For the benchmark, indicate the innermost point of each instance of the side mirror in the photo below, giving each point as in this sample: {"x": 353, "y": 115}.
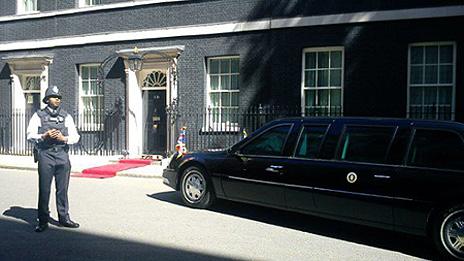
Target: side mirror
{"x": 234, "y": 152}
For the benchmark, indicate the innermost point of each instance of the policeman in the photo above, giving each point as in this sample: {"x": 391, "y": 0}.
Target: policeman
{"x": 51, "y": 130}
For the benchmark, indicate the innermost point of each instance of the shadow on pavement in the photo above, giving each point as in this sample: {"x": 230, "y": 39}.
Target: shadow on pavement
{"x": 18, "y": 241}
{"x": 172, "y": 197}
{"x": 408, "y": 244}
{"x": 29, "y": 215}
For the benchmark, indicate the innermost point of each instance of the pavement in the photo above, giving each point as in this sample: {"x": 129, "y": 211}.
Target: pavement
{"x": 81, "y": 162}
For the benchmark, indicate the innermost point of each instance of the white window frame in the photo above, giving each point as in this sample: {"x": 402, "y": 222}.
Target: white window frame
{"x": 210, "y": 124}
{"x": 91, "y": 125}
{"x": 83, "y": 3}
{"x": 24, "y": 81}
{"x": 22, "y": 7}
{"x": 23, "y": 85}
{"x": 438, "y": 85}
{"x": 304, "y": 88}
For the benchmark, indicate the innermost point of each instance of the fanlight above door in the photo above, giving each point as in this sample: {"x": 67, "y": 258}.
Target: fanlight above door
{"x": 155, "y": 79}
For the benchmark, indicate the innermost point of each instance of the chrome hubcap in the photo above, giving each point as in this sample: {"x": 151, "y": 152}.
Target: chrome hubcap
{"x": 453, "y": 233}
{"x": 194, "y": 187}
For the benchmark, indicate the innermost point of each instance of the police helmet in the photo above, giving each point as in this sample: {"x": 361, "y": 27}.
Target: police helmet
{"x": 52, "y": 91}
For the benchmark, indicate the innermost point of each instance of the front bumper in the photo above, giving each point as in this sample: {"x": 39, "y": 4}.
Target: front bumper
{"x": 170, "y": 177}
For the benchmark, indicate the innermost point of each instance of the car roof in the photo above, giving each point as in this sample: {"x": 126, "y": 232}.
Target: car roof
{"x": 375, "y": 121}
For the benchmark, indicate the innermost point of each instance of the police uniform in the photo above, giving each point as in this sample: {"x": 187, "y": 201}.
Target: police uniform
{"x": 53, "y": 159}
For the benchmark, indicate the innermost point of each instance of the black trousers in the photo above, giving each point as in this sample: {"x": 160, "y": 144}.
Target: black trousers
{"x": 53, "y": 163}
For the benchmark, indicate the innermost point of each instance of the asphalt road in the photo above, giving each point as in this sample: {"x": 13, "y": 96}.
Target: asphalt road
{"x": 141, "y": 219}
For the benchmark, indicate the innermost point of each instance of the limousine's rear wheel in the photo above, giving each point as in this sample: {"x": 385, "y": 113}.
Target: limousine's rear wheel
{"x": 196, "y": 188}
{"x": 449, "y": 233}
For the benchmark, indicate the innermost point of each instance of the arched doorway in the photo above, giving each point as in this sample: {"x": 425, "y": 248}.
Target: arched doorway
{"x": 147, "y": 86}
{"x": 154, "y": 87}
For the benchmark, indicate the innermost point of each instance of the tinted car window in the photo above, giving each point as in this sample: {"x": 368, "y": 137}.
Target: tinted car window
{"x": 365, "y": 144}
{"x": 329, "y": 145}
{"x": 399, "y": 147}
{"x": 271, "y": 142}
{"x": 436, "y": 149}
{"x": 310, "y": 141}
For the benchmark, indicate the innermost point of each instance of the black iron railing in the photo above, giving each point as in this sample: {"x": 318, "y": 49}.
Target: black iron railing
{"x": 102, "y": 133}
{"x": 207, "y": 129}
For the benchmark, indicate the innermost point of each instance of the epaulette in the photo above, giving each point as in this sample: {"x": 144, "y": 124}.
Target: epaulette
{"x": 41, "y": 112}
{"x": 63, "y": 113}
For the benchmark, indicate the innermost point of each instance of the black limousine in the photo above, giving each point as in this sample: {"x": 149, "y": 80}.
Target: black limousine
{"x": 398, "y": 174}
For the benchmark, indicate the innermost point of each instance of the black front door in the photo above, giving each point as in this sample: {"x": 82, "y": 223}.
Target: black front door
{"x": 155, "y": 122}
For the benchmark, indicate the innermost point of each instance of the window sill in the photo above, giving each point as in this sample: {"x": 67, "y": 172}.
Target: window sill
{"x": 91, "y": 128}
{"x": 82, "y": 9}
{"x": 220, "y": 130}
{"x": 23, "y": 13}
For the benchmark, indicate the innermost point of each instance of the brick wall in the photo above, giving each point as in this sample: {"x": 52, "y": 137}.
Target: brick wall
{"x": 375, "y": 69}
{"x": 137, "y": 18}
{"x": 270, "y": 64}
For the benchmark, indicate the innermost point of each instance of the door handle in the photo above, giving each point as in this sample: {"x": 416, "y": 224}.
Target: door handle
{"x": 274, "y": 169}
{"x": 382, "y": 176}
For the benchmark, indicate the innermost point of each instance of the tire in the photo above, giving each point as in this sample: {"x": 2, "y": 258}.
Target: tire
{"x": 449, "y": 233}
{"x": 196, "y": 188}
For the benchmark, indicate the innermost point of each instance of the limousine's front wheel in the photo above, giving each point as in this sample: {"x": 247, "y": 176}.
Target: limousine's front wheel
{"x": 196, "y": 188}
{"x": 449, "y": 233}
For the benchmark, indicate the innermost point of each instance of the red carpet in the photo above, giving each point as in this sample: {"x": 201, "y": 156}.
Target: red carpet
{"x": 108, "y": 171}
{"x": 136, "y": 161}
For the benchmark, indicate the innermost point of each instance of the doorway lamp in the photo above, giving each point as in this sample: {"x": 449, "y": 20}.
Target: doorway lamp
{"x": 135, "y": 60}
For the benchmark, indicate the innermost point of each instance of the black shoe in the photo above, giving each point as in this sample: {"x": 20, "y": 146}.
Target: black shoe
{"x": 69, "y": 223}
{"x": 41, "y": 227}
